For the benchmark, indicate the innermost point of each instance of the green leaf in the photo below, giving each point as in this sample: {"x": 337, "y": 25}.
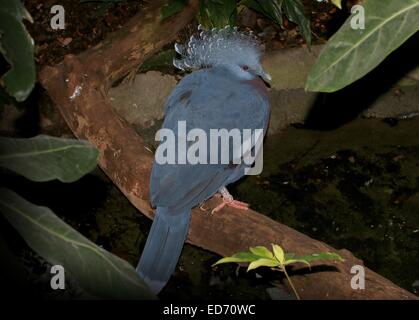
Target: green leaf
{"x": 271, "y": 8}
{"x": 289, "y": 256}
{"x": 239, "y": 257}
{"x": 262, "y": 252}
{"x": 279, "y": 253}
{"x": 337, "y": 3}
{"x": 45, "y": 158}
{"x": 17, "y": 47}
{"x": 291, "y": 261}
{"x": 97, "y": 271}
{"x": 352, "y": 53}
{"x": 217, "y": 13}
{"x": 320, "y": 256}
{"x": 294, "y": 10}
{"x": 173, "y": 7}
{"x": 161, "y": 61}
{"x": 263, "y": 263}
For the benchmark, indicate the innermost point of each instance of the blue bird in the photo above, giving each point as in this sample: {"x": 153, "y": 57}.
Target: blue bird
{"x": 225, "y": 91}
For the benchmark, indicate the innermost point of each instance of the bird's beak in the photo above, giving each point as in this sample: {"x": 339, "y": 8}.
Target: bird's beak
{"x": 265, "y": 76}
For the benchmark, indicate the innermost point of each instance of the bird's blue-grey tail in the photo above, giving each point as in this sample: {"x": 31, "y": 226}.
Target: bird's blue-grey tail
{"x": 163, "y": 247}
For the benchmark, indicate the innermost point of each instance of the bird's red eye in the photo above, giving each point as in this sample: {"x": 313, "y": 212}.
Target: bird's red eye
{"x": 245, "y": 68}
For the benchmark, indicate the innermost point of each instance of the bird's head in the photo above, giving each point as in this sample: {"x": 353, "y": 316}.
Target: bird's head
{"x": 240, "y": 52}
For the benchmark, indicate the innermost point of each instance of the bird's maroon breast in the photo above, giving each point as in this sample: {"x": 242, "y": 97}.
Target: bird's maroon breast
{"x": 259, "y": 85}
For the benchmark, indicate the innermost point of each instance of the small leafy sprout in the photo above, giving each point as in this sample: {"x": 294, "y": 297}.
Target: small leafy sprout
{"x": 277, "y": 260}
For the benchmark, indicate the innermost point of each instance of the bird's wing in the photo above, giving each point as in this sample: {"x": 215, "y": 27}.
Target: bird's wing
{"x": 206, "y": 100}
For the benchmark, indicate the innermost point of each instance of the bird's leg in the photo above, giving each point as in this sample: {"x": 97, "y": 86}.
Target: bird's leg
{"x": 228, "y": 200}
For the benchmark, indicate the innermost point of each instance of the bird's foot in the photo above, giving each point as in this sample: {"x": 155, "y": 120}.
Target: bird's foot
{"x": 229, "y": 201}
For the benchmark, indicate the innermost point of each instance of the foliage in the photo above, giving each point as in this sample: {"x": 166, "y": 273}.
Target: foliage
{"x": 173, "y": 7}
{"x": 99, "y": 272}
{"x": 271, "y": 9}
{"x": 337, "y": 3}
{"x": 276, "y": 259}
{"x": 352, "y": 53}
{"x": 16, "y": 45}
{"x": 161, "y": 61}
{"x": 43, "y": 158}
{"x": 294, "y": 10}
{"x": 219, "y": 13}
{"x": 274, "y": 9}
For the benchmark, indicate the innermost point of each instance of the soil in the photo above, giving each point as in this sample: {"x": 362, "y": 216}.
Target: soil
{"x": 86, "y": 24}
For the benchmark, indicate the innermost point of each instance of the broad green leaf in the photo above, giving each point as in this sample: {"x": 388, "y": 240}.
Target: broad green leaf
{"x": 271, "y": 8}
{"x": 239, "y": 257}
{"x": 337, "y": 3}
{"x": 320, "y": 256}
{"x": 263, "y": 263}
{"x": 17, "y": 47}
{"x": 289, "y": 256}
{"x": 97, "y": 271}
{"x": 294, "y": 10}
{"x": 352, "y": 53}
{"x": 45, "y": 158}
{"x": 217, "y": 13}
{"x": 279, "y": 253}
{"x": 173, "y": 7}
{"x": 291, "y": 261}
{"x": 161, "y": 61}
{"x": 262, "y": 252}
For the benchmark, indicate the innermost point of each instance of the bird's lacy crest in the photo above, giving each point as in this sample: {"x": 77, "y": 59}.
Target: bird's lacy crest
{"x": 217, "y": 47}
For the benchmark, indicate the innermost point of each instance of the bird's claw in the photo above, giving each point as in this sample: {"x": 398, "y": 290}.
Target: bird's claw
{"x": 230, "y": 202}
